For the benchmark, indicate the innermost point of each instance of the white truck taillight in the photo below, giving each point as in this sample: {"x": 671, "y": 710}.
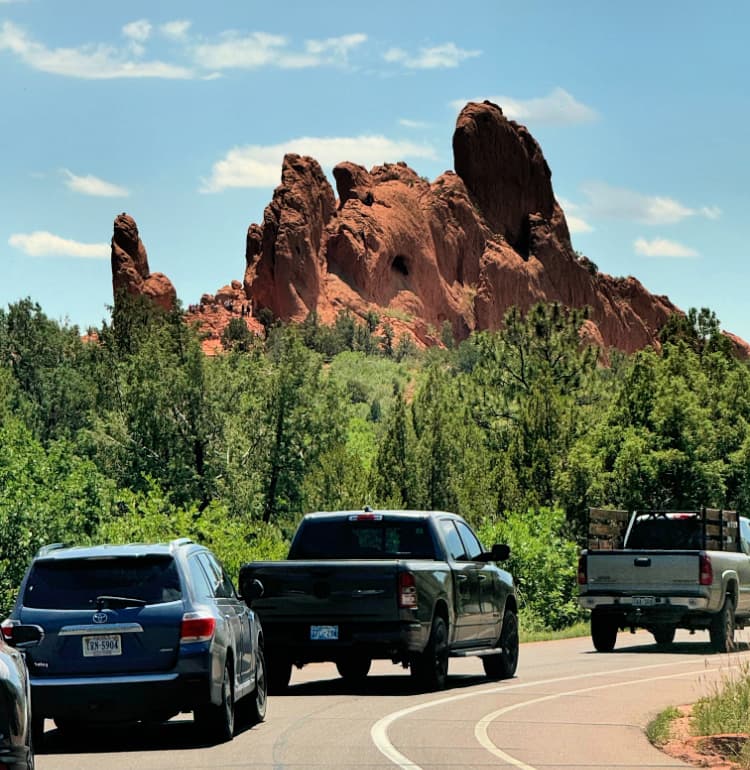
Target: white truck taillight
{"x": 197, "y": 627}
{"x": 407, "y": 591}
{"x": 582, "y": 570}
{"x": 706, "y": 571}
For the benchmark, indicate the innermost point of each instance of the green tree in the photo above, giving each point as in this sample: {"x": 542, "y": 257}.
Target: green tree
{"x": 394, "y": 482}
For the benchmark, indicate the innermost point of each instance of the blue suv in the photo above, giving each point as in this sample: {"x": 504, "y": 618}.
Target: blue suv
{"x": 139, "y": 633}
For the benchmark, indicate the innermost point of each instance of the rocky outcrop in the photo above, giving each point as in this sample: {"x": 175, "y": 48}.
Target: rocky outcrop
{"x": 460, "y": 250}
{"x": 130, "y": 271}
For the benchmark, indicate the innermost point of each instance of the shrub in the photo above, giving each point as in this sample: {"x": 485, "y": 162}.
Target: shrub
{"x": 543, "y": 562}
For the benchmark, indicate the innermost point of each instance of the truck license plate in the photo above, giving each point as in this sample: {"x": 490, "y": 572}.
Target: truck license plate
{"x": 102, "y": 645}
{"x": 324, "y": 633}
{"x": 643, "y": 601}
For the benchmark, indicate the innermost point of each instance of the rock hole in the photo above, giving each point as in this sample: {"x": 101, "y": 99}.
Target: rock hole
{"x": 399, "y": 265}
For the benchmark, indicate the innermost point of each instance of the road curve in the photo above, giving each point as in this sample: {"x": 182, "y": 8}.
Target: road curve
{"x": 568, "y": 707}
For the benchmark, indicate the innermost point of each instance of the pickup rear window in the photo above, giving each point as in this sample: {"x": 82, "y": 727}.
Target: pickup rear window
{"x": 370, "y": 539}
{"x": 666, "y": 533}
{"x": 71, "y": 584}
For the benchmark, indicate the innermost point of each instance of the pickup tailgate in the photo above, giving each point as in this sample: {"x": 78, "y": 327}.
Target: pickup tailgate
{"x": 630, "y": 572}
{"x": 329, "y": 592}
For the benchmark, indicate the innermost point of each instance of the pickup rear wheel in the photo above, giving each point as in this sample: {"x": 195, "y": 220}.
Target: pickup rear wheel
{"x": 503, "y": 665}
{"x": 604, "y": 629}
{"x": 722, "y": 628}
{"x": 353, "y": 668}
{"x": 279, "y": 671}
{"x": 663, "y": 635}
{"x": 430, "y": 668}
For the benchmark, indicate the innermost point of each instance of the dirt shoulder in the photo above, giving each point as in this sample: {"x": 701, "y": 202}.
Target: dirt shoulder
{"x": 716, "y": 752}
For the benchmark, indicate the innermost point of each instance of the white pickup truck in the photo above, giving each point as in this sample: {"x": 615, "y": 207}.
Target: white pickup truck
{"x": 663, "y": 570}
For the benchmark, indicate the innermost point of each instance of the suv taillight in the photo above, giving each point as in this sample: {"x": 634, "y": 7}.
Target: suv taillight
{"x": 197, "y": 627}
{"x": 407, "y": 591}
{"x": 582, "y": 570}
{"x": 6, "y": 627}
{"x": 706, "y": 570}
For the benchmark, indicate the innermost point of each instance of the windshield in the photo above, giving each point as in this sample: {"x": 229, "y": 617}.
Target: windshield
{"x": 368, "y": 539}
{"x": 76, "y": 583}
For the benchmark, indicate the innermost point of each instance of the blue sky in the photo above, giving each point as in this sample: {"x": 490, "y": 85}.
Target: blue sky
{"x": 180, "y": 112}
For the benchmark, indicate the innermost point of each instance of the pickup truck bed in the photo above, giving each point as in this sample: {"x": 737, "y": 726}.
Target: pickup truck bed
{"x": 412, "y": 587}
{"x": 669, "y": 585}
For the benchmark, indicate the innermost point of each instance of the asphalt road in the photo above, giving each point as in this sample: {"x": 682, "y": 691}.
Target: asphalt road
{"x": 568, "y": 707}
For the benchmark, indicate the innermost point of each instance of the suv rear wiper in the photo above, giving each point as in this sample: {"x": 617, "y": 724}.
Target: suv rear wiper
{"x": 118, "y": 601}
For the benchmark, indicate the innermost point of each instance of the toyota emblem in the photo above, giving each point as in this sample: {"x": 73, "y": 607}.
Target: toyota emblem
{"x": 100, "y": 617}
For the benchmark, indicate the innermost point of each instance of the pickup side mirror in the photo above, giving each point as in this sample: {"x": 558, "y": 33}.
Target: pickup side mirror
{"x": 500, "y": 552}
{"x": 251, "y": 590}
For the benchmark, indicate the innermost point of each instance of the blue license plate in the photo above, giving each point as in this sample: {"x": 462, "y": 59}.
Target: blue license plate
{"x": 324, "y": 633}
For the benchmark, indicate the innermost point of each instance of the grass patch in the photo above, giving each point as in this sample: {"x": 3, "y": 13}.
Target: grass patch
{"x": 727, "y": 709}
{"x": 545, "y": 635}
{"x": 659, "y": 729}
{"x": 397, "y": 313}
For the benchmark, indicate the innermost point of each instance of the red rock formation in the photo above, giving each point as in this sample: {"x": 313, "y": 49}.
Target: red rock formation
{"x": 462, "y": 249}
{"x": 130, "y": 271}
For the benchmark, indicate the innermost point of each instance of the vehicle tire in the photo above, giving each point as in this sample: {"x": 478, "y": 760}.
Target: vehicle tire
{"x": 604, "y": 629}
{"x": 353, "y": 668}
{"x": 504, "y": 664}
{"x": 278, "y": 673}
{"x": 663, "y": 635}
{"x": 258, "y": 698}
{"x": 217, "y": 722}
{"x": 37, "y": 734}
{"x": 721, "y": 630}
{"x": 430, "y": 668}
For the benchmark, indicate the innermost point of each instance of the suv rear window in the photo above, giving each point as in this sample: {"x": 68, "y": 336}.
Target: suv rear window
{"x": 368, "y": 539}
{"x": 70, "y": 584}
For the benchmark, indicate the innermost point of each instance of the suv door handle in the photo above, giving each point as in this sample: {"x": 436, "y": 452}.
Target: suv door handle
{"x": 461, "y": 578}
{"x": 482, "y": 577}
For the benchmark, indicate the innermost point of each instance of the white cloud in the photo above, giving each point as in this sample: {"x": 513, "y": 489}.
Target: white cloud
{"x": 91, "y": 185}
{"x": 138, "y": 30}
{"x": 43, "y": 244}
{"x": 260, "y": 166}
{"x": 558, "y": 108}
{"x": 335, "y": 49}
{"x": 610, "y": 202}
{"x": 442, "y": 56}
{"x": 412, "y": 123}
{"x": 92, "y": 62}
{"x": 176, "y": 30}
{"x": 260, "y": 49}
{"x": 661, "y": 247}
{"x": 576, "y": 223}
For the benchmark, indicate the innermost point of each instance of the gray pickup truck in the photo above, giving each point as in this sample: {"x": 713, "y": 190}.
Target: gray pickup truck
{"x": 413, "y": 587}
{"x": 663, "y": 570}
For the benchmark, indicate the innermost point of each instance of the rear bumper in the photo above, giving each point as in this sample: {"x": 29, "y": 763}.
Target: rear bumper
{"x": 390, "y": 641}
{"x": 631, "y": 602}
{"x": 123, "y": 697}
{"x": 692, "y": 612}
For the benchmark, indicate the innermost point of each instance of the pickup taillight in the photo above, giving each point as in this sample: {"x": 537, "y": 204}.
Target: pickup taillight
{"x": 582, "y": 570}
{"x": 407, "y": 591}
{"x": 706, "y": 571}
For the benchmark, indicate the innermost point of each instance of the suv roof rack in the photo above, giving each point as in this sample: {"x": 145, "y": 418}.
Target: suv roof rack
{"x": 45, "y": 549}
{"x": 178, "y": 541}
